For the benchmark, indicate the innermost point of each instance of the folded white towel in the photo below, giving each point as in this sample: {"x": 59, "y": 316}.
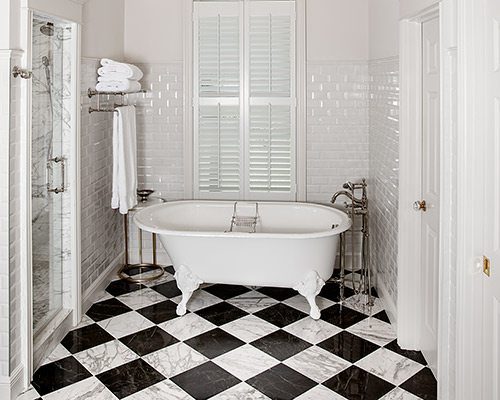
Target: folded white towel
{"x": 124, "y": 85}
{"x": 127, "y": 71}
{"x": 124, "y": 160}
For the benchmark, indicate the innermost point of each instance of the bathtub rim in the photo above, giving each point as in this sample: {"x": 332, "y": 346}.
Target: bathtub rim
{"x": 344, "y": 224}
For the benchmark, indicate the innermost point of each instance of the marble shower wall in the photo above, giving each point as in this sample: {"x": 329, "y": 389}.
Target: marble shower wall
{"x": 384, "y": 170}
{"x": 102, "y": 227}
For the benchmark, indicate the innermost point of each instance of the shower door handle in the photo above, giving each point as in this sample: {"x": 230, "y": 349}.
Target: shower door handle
{"x": 62, "y": 188}
{"x": 21, "y": 72}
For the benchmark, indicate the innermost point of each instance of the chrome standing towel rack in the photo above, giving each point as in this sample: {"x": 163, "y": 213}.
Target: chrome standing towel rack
{"x": 92, "y": 92}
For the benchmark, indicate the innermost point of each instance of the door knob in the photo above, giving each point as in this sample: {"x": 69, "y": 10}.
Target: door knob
{"x": 420, "y": 206}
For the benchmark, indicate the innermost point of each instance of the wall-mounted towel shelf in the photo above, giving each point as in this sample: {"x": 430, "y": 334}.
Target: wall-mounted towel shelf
{"x": 92, "y": 92}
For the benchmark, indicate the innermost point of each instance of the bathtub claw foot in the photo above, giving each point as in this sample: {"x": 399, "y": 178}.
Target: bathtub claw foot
{"x": 310, "y": 288}
{"x": 187, "y": 282}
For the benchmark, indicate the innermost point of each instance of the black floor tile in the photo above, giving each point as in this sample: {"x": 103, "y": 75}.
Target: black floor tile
{"x": 170, "y": 269}
{"x": 423, "y": 384}
{"x": 225, "y": 292}
{"x": 130, "y": 378}
{"x": 357, "y": 384}
{"x": 84, "y": 338}
{"x": 412, "y": 355}
{"x": 343, "y": 317}
{"x": 281, "y": 345}
{"x": 148, "y": 340}
{"x": 59, "y": 374}
{"x": 214, "y": 343}
{"x": 281, "y": 382}
{"x": 382, "y": 315}
{"x": 119, "y": 287}
{"x": 331, "y": 291}
{"x": 280, "y": 315}
{"x": 205, "y": 381}
{"x": 279, "y": 294}
{"x": 348, "y": 346}
{"x": 221, "y": 313}
{"x": 159, "y": 312}
{"x": 107, "y": 309}
{"x": 168, "y": 289}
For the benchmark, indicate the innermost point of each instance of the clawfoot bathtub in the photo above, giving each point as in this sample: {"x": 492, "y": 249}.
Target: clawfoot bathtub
{"x": 290, "y": 245}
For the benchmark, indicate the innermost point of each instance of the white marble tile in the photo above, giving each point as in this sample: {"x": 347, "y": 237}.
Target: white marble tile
{"x": 105, "y": 357}
{"x": 312, "y": 331}
{"x": 103, "y": 296}
{"x": 320, "y": 393}
{"x": 374, "y": 330}
{"x": 245, "y": 362}
{"x": 90, "y": 388}
{"x": 199, "y": 300}
{"x": 252, "y": 301}
{"x": 30, "y": 394}
{"x": 187, "y": 326}
{"x": 359, "y": 302}
{"x": 175, "y": 359}
{"x": 317, "y": 364}
{"x": 161, "y": 391}
{"x": 249, "y": 328}
{"x": 125, "y": 324}
{"x": 86, "y": 321}
{"x": 390, "y": 366}
{"x": 301, "y": 304}
{"x": 399, "y": 394}
{"x": 242, "y": 391}
{"x": 141, "y": 298}
{"x": 59, "y": 353}
{"x": 166, "y": 277}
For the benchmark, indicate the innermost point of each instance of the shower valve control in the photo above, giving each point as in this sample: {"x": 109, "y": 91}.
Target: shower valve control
{"x": 21, "y": 72}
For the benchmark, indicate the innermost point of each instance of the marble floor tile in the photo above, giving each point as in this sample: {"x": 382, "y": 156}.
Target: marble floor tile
{"x": 281, "y": 315}
{"x": 205, "y": 381}
{"x": 175, "y": 359}
{"x": 165, "y": 390}
{"x": 390, "y": 366}
{"x": 313, "y": 331}
{"x": 199, "y": 300}
{"x": 187, "y": 326}
{"x": 86, "y": 321}
{"x": 281, "y": 345}
{"x": 166, "y": 277}
{"x": 320, "y": 392}
{"x": 348, "y": 346}
{"x": 245, "y": 362}
{"x": 249, "y": 328}
{"x": 343, "y": 317}
{"x": 279, "y": 294}
{"x": 281, "y": 382}
{"x": 107, "y": 309}
{"x": 359, "y": 302}
{"x": 105, "y": 356}
{"x": 221, "y": 313}
{"x": 242, "y": 391}
{"x": 90, "y": 388}
{"x": 125, "y": 324}
{"x": 159, "y": 312}
{"x": 252, "y": 302}
{"x": 317, "y": 364}
{"x": 30, "y": 394}
{"x": 423, "y": 384}
{"x": 374, "y": 330}
{"x": 399, "y": 394}
{"x": 411, "y": 354}
{"x": 214, "y": 343}
{"x": 59, "y": 352}
{"x": 119, "y": 287}
{"x": 331, "y": 291}
{"x": 300, "y": 303}
{"x": 168, "y": 289}
{"x": 84, "y": 338}
{"x": 141, "y": 298}
{"x": 148, "y": 341}
{"x": 226, "y": 292}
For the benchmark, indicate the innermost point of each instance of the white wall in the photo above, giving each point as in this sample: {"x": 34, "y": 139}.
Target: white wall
{"x": 153, "y": 31}
{"x": 408, "y": 8}
{"x": 337, "y": 30}
{"x": 384, "y": 28}
{"x": 103, "y": 29}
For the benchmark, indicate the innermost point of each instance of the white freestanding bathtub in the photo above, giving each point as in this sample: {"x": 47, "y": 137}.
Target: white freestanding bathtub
{"x": 294, "y": 244}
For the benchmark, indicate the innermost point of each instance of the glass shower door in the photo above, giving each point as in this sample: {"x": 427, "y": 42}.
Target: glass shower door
{"x": 50, "y": 148}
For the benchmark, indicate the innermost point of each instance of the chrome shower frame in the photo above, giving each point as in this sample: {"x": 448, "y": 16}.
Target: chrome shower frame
{"x": 357, "y": 209}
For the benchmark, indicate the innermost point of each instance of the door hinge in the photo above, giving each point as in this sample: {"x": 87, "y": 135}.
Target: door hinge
{"x": 486, "y": 266}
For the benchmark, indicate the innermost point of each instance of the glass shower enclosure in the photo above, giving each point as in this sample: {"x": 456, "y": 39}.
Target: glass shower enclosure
{"x": 51, "y": 131}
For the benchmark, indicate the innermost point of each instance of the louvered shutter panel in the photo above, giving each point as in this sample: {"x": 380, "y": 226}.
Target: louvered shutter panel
{"x": 271, "y": 136}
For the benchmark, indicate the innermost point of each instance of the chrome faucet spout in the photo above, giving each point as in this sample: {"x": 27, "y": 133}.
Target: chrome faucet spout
{"x": 356, "y": 201}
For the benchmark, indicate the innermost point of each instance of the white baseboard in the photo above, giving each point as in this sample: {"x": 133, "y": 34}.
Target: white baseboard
{"x": 11, "y": 387}
{"x": 95, "y": 291}
{"x": 388, "y": 303}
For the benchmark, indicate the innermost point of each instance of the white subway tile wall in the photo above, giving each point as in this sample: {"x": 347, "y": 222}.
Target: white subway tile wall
{"x": 102, "y": 229}
{"x": 337, "y": 126}
{"x": 384, "y": 170}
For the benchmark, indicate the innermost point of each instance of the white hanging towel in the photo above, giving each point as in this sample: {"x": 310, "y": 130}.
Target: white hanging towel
{"x": 124, "y": 85}
{"x": 124, "y": 195}
{"x": 121, "y": 70}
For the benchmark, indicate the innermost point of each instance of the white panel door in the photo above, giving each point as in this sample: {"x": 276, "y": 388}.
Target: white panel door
{"x": 430, "y": 188}
{"x": 491, "y": 302}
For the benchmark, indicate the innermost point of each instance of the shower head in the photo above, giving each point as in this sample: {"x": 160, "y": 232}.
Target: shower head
{"x": 47, "y": 29}
{"x": 45, "y": 61}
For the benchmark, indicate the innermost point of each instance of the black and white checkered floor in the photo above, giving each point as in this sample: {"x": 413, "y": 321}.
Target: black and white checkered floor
{"x": 234, "y": 343}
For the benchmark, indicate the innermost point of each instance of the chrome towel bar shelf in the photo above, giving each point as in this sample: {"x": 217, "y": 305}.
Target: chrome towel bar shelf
{"x": 92, "y": 92}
